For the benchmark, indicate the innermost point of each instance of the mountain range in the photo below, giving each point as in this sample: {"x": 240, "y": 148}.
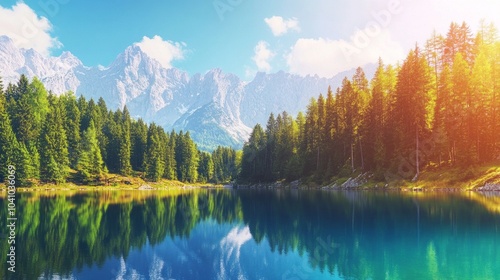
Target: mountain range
{"x": 217, "y": 108}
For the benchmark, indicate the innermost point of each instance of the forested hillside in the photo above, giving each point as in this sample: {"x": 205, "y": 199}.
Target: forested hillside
{"x": 52, "y": 139}
{"x": 440, "y": 107}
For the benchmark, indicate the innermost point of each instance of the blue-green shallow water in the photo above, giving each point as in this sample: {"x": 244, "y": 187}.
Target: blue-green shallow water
{"x": 248, "y": 234}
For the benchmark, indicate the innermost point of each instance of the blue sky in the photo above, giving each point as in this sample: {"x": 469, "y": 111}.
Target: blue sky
{"x": 239, "y": 36}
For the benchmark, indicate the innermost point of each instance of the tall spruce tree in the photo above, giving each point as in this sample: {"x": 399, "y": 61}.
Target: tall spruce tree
{"x": 413, "y": 94}
{"x": 252, "y": 163}
{"x": 8, "y": 141}
{"x": 90, "y": 165}
{"x": 22, "y": 112}
{"x": 460, "y": 102}
{"x": 170, "y": 163}
{"x": 205, "y": 167}
{"x": 186, "y": 156}
{"x": 154, "y": 159}
{"x": 311, "y": 138}
{"x": 375, "y": 120}
{"x": 72, "y": 126}
{"x": 125, "y": 144}
{"x": 54, "y": 162}
{"x": 482, "y": 102}
{"x": 139, "y": 138}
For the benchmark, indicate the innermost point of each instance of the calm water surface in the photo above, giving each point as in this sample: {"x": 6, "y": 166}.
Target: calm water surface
{"x": 248, "y": 234}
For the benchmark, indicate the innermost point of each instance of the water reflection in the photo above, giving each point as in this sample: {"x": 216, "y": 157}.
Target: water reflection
{"x": 210, "y": 234}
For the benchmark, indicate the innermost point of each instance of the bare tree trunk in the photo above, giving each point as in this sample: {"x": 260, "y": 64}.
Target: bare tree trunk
{"x": 494, "y": 123}
{"x": 417, "y": 162}
{"x": 317, "y": 160}
{"x": 361, "y": 151}
{"x": 352, "y": 157}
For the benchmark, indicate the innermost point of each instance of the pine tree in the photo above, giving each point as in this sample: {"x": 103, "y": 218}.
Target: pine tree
{"x": 34, "y": 161}
{"x": 72, "y": 126}
{"x": 205, "y": 167}
{"x": 495, "y": 109}
{"x": 38, "y": 100}
{"x": 186, "y": 157}
{"x": 286, "y": 144}
{"x": 90, "y": 165}
{"x": 125, "y": 145}
{"x": 99, "y": 114}
{"x": 154, "y": 160}
{"x": 481, "y": 85}
{"x": 138, "y": 137}
{"x": 487, "y": 34}
{"x": 459, "y": 40}
{"x": 311, "y": 138}
{"x": 54, "y": 162}
{"x": 170, "y": 163}
{"x": 8, "y": 141}
{"x": 82, "y": 107}
{"x": 22, "y": 112}
{"x": 25, "y": 166}
{"x": 434, "y": 51}
{"x": 321, "y": 159}
{"x": 350, "y": 102}
{"x": 360, "y": 85}
{"x": 112, "y": 132}
{"x": 375, "y": 120}
{"x": 225, "y": 167}
{"x": 270, "y": 149}
{"x": 444, "y": 117}
{"x": 460, "y": 106}
{"x": 252, "y": 163}
{"x": 193, "y": 159}
{"x": 296, "y": 167}
{"x": 413, "y": 94}
{"x": 451, "y": 44}
{"x": 328, "y": 132}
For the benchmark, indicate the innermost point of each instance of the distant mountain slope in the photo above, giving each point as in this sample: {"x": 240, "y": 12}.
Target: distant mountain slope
{"x": 217, "y": 108}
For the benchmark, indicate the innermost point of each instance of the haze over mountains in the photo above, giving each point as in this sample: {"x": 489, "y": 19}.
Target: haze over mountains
{"x": 217, "y": 108}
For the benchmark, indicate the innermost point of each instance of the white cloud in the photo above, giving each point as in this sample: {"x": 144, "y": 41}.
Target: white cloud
{"x": 230, "y": 247}
{"x": 327, "y": 58}
{"x": 280, "y": 26}
{"x": 236, "y": 238}
{"x": 163, "y": 51}
{"x": 262, "y": 56}
{"x": 27, "y": 29}
{"x": 155, "y": 270}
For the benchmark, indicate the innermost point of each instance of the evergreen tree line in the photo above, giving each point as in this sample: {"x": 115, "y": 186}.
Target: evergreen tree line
{"x": 46, "y": 137}
{"x": 440, "y": 107}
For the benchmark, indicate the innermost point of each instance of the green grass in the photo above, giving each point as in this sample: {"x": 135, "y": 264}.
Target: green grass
{"x": 443, "y": 177}
{"x": 108, "y": 182}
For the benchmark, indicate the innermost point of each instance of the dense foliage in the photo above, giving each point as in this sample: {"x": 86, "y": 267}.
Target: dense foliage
{"x": 440, "y": 107}
{"x": 46, "y": 137}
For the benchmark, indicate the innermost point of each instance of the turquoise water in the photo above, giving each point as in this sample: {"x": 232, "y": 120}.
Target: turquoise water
{"x": 249, "y": 234}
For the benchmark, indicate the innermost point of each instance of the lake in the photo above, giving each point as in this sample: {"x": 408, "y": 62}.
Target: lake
{"x": 253, "y": 234}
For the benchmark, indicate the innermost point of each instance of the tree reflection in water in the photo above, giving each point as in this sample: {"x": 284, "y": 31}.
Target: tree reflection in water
{"x": 356, "y": 235}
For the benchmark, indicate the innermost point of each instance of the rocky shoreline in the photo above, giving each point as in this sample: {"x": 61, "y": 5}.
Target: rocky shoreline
{"x": 489, "y": 187}
{"x": 359, "y": 183}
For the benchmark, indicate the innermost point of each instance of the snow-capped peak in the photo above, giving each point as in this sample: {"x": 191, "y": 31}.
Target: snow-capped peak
{"x": 218, "y": 108}
{"x": 69, "y": 59}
